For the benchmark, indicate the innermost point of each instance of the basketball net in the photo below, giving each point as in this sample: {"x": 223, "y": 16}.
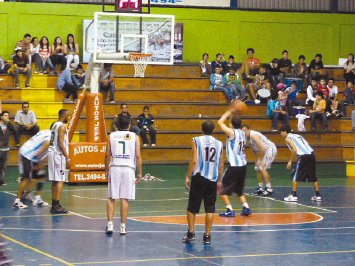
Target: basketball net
{"x": 140, "y": 62}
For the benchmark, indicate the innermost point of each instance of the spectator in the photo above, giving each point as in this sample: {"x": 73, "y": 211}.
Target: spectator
{"x": 292, "y": 93}
{"x": 26, "y": 120}
{"x": 220, "y": 62}
{"x": 318, "y": 112}
{"x": 4, "y": 66}
{"x": 145, "y": 123}
{"x": 219, "y": 82}
{"x": 332, "y": 101}
{"x": 71, "y": 51}
{"x": 6, "y": 127}
{"x": 312, "y": 92}
{"x": 21, "y": 66}
{"x": 45, "y": 53}
{"x": 251, "y": 65}
{"x": 65, "y": 83}
{"x": 316, "y": 68}
{"x": 274, "y": 71}
{"x": 78, "y": 76}
{"x": 231, "y": 63}
{"x": 124, "y": 112}
{"x": 206, "y": 69}
{"x": 58, "y": 57}
{"x": 323, "y": 88}
{"x": 300, "y": 69}
{"x": 262, "y": 80}
{"x": 285, "y": 65}
{"x": 349, "y": 68}
{"x": 275, "y": 113}
{"x": 25, "y": 45}
{"x": 107, "y": 82}
{"x": 282, "y": 95}
{"x": 349, "y": 98}
{"x": 353, "y": 119}
{"x": 34, "y": 54}
{"x": 234, "y": 83}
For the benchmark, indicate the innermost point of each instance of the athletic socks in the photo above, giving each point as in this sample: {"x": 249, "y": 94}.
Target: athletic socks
{"x": 268, "y": 185}
{"x": 317, "y": 194}
{"x": 55, "y": 203}
{"x": 123, "y": 225}
{"x": 245, "y": 204}
{"x": 229, "y": 207}
{"x": 294, "y": 193}
{"x": 260, "y": 185}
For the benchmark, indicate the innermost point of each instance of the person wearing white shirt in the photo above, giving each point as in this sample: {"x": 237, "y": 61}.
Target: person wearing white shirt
{"x": 332, "y": 101}
{"x": 311, "y": 92}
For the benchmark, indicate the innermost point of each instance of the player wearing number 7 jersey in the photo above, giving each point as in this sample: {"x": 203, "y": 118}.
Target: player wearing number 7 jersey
{"x": 234, "y": 177}
{"x": 122, "y": 157}
{"x": 306, "y": 163}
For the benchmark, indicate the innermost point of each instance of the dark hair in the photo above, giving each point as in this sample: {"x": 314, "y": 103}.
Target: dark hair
{"x": 3, "y": 112}
{"x": 25, "y": 103}
{"x": 71, "y": 35}
{"x": 236, "y": 122}
{"x": 107, "y": 65}
{"x": 62, "y": 112}
{"x": 80, "y": 66}
{"x": 123, "y": 104}
{"x": 274, "y": 95}
{"x": 204, "y": 54}
{"x": 41, "y": 42}
{"x": 322, "y": 79}
{"x": 286, "y": 128}
{"x": 218, "y": 54}
{"x": 231, "y": 57}
{"x": 275, "y": 60}
{"x": 284, "y": 51}
{"x": 332, "y": 79}
{"x": 352, "y": 82}
{"x": 352, "y": 55}
{"x": 319, "y": 93}
{"x": 319, "y": 55}
{"x": 33, "y": 39}
{"x": 27, "y": 35}
{"x": 55, "y": 41}
{"x": 207, "y": 127}
{"x": 17, "y": 51}
{"x": 294, "y": 82}
{"x": 301, "y": 57}
{"x": 234, "y": 67}
{"x": 263, "y": 66}
{"x": 250, "y": 50}
{"x": 146, "y": 107}
{"x": 123, "y": 122}
{"x": 218, "y": 66}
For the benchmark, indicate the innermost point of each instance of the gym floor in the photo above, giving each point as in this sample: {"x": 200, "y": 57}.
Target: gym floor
{"x": 277, "y": 233}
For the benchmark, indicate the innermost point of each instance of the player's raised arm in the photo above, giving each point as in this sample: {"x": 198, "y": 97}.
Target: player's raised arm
{"x": 138, "y": 160}
{"x": 293, "y": 155}
{"x": 191, "y": 165}
{"x": 221, "y": 122}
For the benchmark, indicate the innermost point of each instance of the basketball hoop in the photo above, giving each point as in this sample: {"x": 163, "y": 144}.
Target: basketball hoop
{"x": 140, "y": 62}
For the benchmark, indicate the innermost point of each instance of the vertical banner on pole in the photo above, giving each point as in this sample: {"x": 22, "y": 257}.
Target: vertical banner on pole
{"x": 94, "y": 118}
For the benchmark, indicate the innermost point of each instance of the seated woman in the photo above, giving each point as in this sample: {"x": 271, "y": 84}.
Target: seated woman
{"x": 34, "y": 55}
{"x": 349, "y": 69}
{"x": 71, "y": 51}
{"x": 58, "y": 57}
{"x": 45, "y": 53}
{"x": 145, "y": 124}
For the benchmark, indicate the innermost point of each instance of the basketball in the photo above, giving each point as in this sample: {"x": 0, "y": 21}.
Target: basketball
{"x": 238, "y": 106}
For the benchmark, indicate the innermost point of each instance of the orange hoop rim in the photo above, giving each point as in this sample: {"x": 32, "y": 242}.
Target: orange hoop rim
{"x": 138, "y": 55}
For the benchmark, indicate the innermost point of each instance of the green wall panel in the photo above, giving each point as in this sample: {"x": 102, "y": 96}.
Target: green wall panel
{"x": 3, "y": 34}
{"x": 347, "y": 39}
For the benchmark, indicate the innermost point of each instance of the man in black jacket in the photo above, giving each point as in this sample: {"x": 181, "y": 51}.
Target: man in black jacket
{"x": 5, "y": 128}
{"x": 124, "y": 109}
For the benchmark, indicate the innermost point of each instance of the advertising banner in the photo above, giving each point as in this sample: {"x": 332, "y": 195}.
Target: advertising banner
{"x": 87, "y": 176}
{"x": 87, "y": 156}
{"x": 193, "y": 3}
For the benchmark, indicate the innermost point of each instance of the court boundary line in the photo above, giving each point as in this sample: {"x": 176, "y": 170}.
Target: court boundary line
{"x": 152, "y": 200}
{"x": 35, "y": 250}
{"x": 222, "y": 257}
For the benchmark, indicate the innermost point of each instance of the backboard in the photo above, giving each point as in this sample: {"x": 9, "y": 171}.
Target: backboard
{"x": 117, "y": 34}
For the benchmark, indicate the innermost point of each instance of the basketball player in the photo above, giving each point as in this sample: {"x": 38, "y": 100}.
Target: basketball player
{"x": 122, "y": 157}
{"x": 265, "y": 152}
{"x": 234, "y": 177}
{"x": 205, "y": 170}
{"x": 58, "y": 159}
{"x": 306, "y": 163}
{"x": 31, "y": 154}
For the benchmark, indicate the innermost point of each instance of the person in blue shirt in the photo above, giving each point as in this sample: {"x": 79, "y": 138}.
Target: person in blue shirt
{"x": 65, "y": 83}
{"x": 275, "y": 113}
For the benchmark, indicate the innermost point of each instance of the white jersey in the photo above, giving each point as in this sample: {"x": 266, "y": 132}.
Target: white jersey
{"x": 31, "y": 148}
{"x": 301, "y": 144}
{"x": 236, "y": 148}
{"x": 123, "y": 149}
{"x": 267, "y": 144}
{"x": 209, "y": 153}
{"x": 54, "y": 143}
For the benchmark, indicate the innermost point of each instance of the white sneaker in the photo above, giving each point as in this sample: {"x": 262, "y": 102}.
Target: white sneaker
{"x": 38, "y": 201}
{"x": 256, "y": 101}
{"x": 109, "y": 228}
{"x": 18, "y": 204}
{"x": 317, "y": 198}
{"x": 291, "y": 198}
{"x": 153, "y": 145}
{"x": 123, "y": 230}
{"x": 145, "y": 145}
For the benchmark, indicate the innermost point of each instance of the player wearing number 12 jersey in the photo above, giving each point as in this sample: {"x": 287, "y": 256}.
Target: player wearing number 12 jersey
{"x": 122, "y": 157}
{"x": 205, "y": 170}
{"x": 234, "y": 177}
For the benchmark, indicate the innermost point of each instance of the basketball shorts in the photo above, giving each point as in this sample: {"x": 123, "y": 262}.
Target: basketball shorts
{"x": 233, "y": 180}
{"x": 121, "y": 183}
{"x": 202, "y": 189}
{"x": 267, "y": 160}
{"x": 56, "y": 167}
{"x": 305, "y": 169}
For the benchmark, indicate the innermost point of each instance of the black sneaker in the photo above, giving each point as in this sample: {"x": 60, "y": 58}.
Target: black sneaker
{"x": 188, "y": 237}
{"x": 58, "y": 210}
{"x": 267, "y": 192}
{"x": 258, "y": 192}
{"x": 206, "y": 239}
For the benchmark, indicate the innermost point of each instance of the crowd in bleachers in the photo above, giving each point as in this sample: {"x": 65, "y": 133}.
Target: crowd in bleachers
{"x": 279, "y": 83}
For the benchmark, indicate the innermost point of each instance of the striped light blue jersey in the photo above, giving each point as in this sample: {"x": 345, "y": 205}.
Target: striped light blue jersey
{"x": 209, "y": 153}
{"x": 301, "y": 144}
{"x": 236, "y": 148}
{"x": 31, "y": 148}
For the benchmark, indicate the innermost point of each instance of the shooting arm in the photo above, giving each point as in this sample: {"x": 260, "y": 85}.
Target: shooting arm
{"x": 229, "y": 132}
